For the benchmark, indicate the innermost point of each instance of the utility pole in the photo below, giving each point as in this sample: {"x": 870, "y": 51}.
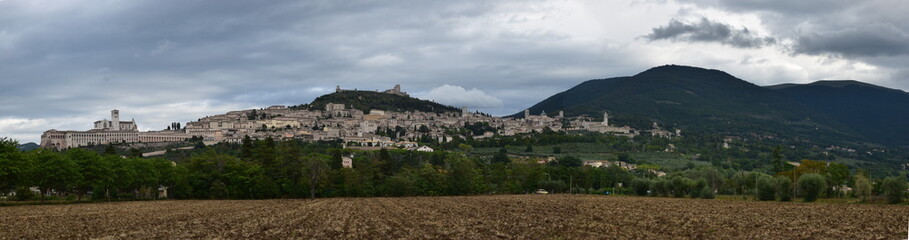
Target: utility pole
{"x": 570, "y": 183}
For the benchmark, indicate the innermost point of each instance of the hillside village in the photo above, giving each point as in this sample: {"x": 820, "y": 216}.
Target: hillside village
{"x": 336, "y": 121}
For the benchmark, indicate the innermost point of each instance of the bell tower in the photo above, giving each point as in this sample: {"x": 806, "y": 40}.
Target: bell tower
{"x": 605, "y": 119}
{"x": 115, "y": 120}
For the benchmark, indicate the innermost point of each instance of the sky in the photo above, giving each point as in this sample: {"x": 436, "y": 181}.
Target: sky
{"x": 66, "y": 64}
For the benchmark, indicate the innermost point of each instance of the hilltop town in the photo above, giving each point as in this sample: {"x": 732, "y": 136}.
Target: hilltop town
{"x": 374, "y": 128}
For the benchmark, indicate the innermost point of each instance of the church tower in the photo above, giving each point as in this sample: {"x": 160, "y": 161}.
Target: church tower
{"x": 115, "y": 120}
{"x": 605, "y": 119}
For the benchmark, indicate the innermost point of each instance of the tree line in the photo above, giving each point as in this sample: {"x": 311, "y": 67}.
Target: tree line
{"x": 260, "y": 169}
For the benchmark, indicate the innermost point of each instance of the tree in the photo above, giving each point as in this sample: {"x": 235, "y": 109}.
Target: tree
{"x": 264, "y": 153}
{"x": 465, "y": 148}
{"x": 133, "y": 152}
{"x": 501, "y": 156}
{"x": 95, "y": 172}
{"x": 336, "y": 159}
{"x": 766, "y": 188}
{"x": 680, "y": 186}
{"x": 837, "y": 174}
{"x": 811, "y": 186}
{"x": 862, "y": 187}
{"x": 777, "y": 159}
{"x": 707, "y": 192}
{"x": 570, "y": 161}
{"x": 110, "y": 150}
{"x": 894, "y": 188}
{"x": 624, "y": 157}
{"x": 219, "y": 190}
{"x": 316, "y": 170}
{"x": 784, "y": 188}
{"x": 641, "y": 186}
{"x": 698, "y": 188}
{"x": 553, "y": 186}
{"x": 556, "y": 150}
{"x": 52, "y": 171}
{"x": 529, "y": 148}
{"x": 806, "y": 166}
{"x": 463, "y": 177}
{"x": 13, "y": 165}
{"x": 246, "y": 148}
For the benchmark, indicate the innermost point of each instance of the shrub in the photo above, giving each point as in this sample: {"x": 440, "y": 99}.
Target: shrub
{"x": 766, "y": 188}
{"x": 680, "y": 186}
{"x": 862, "y": 187}
{"x": 24, "y": 194}
{"x": 698, "y": 188}
{"x": 707, "y": 192}
{"x": 557, "y": 186}
{"x": 811, "y": 185}
{"x": 641, "y": 186}
{"x": 659, "y": 187}
{"x": 784, "y": 188}
{"x": 667, "y": 185}
{"x": 218, "y": 190}
{"x": 894, "y": 188}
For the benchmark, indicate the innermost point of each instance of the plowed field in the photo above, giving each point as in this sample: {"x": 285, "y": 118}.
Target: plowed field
{"x": 480, "y": 217}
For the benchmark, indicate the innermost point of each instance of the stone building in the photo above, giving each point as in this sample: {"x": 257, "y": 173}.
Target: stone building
{"x": 107, "y": 132}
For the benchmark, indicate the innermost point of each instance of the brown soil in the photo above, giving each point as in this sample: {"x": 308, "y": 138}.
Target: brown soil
{"x": 478, "y": 217}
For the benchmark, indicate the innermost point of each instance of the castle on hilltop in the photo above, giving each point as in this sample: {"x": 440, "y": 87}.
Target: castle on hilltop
{"x": 396, "y": 90}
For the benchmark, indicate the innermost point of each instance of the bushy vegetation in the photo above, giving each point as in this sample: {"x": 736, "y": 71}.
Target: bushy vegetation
{"x": 257, "y": 169}
{"x": 368, "y": 100}
{"x": 894, "y": 188}
{"x": 811, "y": 186}
{"x": 784, "y": 188}
{"x": 862, "y": 187}
{"x": 766, "y": 188}
{"x": 679, "y": 186}
{"x": 641, "y": 186}
{"x": 707, "y": 192}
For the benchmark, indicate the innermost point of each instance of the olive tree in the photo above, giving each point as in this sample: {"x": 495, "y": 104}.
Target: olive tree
{"x": 766, "y": 188}
{"x": 811, "y": 186}
{"x": 784, "y": 188}
{"x": 894, "y": 188}
{"x": 862, "y": 187}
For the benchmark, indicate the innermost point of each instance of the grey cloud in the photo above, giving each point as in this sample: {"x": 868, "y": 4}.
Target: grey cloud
{"x": 865, "y": 41}
{"x": 873, "y": 32}
{"x": 780, "y": 6}
{"x": 709, "y": 31}
{"x": 862, "y": 30}
{"x": 81, "y": 59}
{"x": 901, "y": 78}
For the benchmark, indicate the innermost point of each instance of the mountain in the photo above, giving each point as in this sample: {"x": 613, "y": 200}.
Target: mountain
{"x": 695, "y": 100}
{"x": 368, "y": 100}
{"x": 28, "y": 146}
{"x": 875, "y": 112}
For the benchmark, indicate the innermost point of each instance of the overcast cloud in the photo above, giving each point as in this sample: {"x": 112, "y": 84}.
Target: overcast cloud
{"x": 708, "y": 31}
{"x": 68, "y": 63}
